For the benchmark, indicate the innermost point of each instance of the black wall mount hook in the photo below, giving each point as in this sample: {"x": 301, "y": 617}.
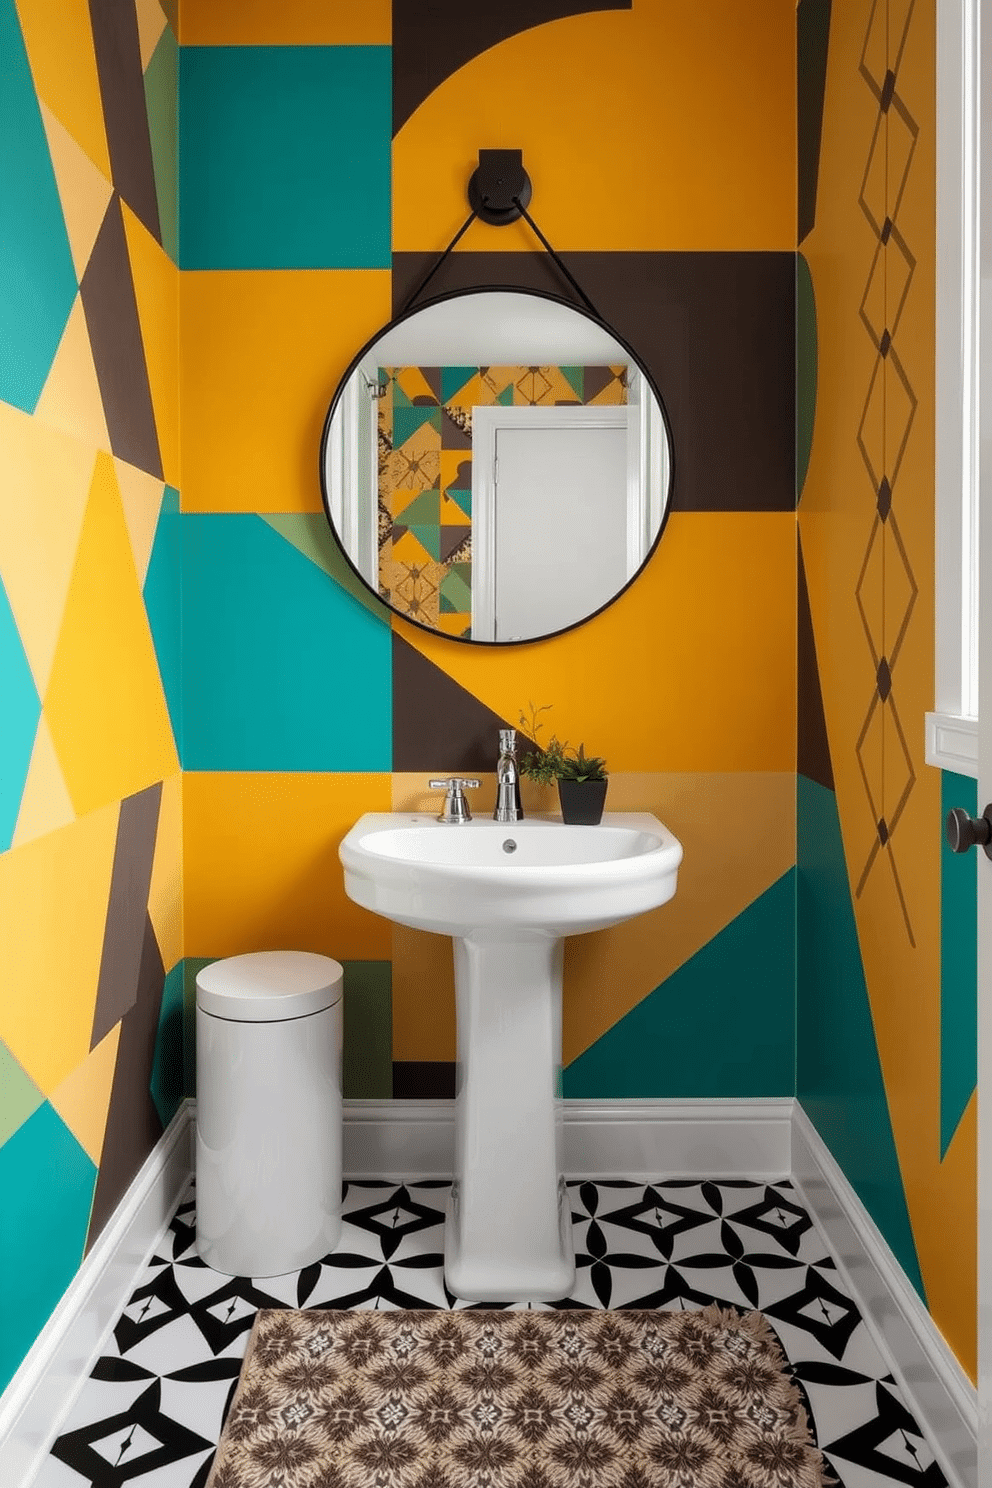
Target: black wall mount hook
{"x": 499, "y": 187}
{"x": 499, "y": 192}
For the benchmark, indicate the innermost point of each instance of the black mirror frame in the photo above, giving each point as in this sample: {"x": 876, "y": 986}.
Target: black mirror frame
{"x": 461, "y": 294}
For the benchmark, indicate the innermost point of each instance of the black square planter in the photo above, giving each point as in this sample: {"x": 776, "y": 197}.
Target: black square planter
{"x": 582, "y": 801}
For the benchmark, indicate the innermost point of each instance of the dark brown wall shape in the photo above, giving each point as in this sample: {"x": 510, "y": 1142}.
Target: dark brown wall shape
{"x": 133, "y": 1124}
{"x": 111, "y": 310}
{"x": 125, "y": 112}
{"x": 423, "y": 1079}
{"x": 812, "y": 42}
{"x": 438, "y": 725}
{"x": 127, "y": 911}
{"x": 717, "y": 331}
{"x": 812, "y": 747}
{"x": 432, "y": 41}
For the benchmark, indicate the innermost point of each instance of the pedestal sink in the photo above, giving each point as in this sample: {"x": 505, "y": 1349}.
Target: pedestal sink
{"x": 507, "y": 894}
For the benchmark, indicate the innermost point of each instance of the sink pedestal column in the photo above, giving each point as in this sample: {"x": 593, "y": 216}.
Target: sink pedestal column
{"x": 508, "y": 1235}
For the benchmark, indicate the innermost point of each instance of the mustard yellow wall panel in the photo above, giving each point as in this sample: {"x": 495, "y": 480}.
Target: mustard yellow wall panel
{"x": 423, "y": 987}
{"x": 70, "y": 399}
{"x": 141, "y": 502}
{"x": 693, "y": 668}
{"x": 667, "y": 126}
{"x": 45, "y": 801}
{"x": 59, "y": 42}
{"x": 151, "y": 23}
{"x": 165, "y": 892}
{"x": 54, "y": 892}
{"x": 290, "y": 23}
{"x": 260, "y": 864}
{"x": 608, "y": 972}
{"x": 83, "y": 1098}
{"x": 84, "y": 189}
{"x": 39, "y": 531}
{"x": 262, "y": 354}
{"x": 104, "y": 700}
{"x": 156, "y": 288}
{"x": 952, "y": 1290}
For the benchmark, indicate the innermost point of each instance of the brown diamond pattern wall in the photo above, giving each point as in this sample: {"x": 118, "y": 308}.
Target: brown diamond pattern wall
{"x": 886, "y": 590}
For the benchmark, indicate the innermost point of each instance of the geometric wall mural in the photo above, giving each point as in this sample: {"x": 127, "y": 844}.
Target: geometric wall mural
{"x": 90, "y": 834}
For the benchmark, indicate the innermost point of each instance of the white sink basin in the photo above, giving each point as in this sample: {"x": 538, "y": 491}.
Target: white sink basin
{"x": 508, "y": 894}
{"x": 534, "y": 874}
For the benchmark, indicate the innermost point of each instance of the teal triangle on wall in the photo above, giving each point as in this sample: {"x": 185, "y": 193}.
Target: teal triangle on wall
{"x": 838, "y": 1072}
{"x": 462, "y": 499}
{"x": 429, "y": 538}
{"x": 453, "y": 379}
{"x": 723, "y": 1024}
{"x": 310, "y": 533}
{"x": 575, "y": 377}
{"x": 48, "y": 1182}
{"x": 406, "y": 422}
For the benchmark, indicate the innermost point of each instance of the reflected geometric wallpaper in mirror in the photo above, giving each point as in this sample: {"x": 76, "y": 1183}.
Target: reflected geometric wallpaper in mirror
{"x": 425, "y": 473}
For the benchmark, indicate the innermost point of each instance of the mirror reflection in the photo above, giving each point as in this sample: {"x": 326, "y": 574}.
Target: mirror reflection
{"x": 496, "y": 466}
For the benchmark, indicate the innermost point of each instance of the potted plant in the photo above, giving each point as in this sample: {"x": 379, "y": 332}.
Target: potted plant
{"x": 581, "y": 778}
{"x": 582, "y": 785}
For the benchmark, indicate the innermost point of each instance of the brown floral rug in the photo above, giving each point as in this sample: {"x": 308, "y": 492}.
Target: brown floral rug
{"x": 476, "y": 1399}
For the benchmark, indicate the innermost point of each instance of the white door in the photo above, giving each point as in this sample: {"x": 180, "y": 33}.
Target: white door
{"x": 561, "y": 526}
{"x": 557, "y": 516}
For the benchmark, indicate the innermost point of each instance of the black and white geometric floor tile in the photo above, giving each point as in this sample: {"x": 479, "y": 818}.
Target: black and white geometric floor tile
{"x": 151, "y": 1412}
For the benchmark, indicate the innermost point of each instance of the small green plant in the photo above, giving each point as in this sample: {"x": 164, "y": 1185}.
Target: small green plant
{"x": 546, "y": 763}
{"x": 580, "y": 766}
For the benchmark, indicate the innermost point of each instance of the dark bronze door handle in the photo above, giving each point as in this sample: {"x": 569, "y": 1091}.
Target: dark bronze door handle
{"x": 964, "y": 831}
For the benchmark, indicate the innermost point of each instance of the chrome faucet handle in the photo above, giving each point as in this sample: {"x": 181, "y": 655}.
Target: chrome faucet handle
{"x": 455, "y": 804}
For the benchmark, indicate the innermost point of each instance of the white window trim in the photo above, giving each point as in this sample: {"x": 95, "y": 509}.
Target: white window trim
{"x": 952, "y": 729}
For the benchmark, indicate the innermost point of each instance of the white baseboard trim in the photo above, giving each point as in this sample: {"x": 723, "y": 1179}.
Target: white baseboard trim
{"x": 46, "y": 1385}
{"x": 648, "y": 1139}
{"x": 942, "y": 1397}
{"x": 621, "y": 1138}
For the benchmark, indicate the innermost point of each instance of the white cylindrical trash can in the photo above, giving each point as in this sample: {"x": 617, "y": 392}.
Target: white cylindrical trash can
{"x": 268, "y": 1111}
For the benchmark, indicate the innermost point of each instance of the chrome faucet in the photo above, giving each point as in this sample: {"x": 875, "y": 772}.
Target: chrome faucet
{"x": 508, "y": 808}
{"x": 455, "y": 805}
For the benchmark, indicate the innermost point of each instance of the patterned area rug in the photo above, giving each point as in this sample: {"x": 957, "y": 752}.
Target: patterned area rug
{"x": 477, "y": 1399}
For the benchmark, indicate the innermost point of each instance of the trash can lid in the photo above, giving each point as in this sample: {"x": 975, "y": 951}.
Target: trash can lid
{"x": 269, "y": 986}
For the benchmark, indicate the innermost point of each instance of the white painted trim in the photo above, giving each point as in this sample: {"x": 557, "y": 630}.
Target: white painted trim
{"x": 957, "y": 342}
{"x": 952, "y": 742}
{"x": 46, "y": 1385}
{"x": 942, "y": 1397}
{"x": 622, "y": 1138}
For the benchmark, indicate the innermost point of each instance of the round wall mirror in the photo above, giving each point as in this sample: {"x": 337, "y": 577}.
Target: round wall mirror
{"x": 496, "y": 465}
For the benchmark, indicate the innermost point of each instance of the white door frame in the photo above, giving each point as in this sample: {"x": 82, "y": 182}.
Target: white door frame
{"x": 351, "y": 476}
{"x": 981, "y": 10}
